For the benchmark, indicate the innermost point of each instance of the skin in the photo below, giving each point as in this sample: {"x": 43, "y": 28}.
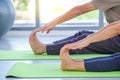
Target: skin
{"x": 67, "y": 63}
{"x": 108, "y": 32}
{"x": 74, "y": 12}
{"x": 37, "y": 46}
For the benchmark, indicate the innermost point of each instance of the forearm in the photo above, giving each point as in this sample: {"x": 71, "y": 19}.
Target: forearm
{"x": 105, "y": 33}
{"x": 74, "y": 12}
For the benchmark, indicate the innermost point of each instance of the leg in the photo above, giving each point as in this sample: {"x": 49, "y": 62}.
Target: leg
{"x": 108, "y": 46}
{"x": 103, "y": 64}
{"x": 54, "y": 49}
{"x": 76, "y": 35}
{"x": 40, "y": 48}
{"x": 100, "y": 64}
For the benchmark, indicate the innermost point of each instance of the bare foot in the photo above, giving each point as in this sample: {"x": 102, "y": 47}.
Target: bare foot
{"x": 37, "y": 47}
{"x": 69, "y": 64}
{"x": 66, "y": 61}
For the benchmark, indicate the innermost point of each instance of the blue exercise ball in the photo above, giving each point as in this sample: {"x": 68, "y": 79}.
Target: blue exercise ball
{"x": 7, "y": 16}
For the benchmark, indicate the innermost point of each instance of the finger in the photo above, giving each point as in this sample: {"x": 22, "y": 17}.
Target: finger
{"x": 73, "y": 47}
{"x": 36, "y": 30}
{"x": 43, "y": 30}
{"x": 48, "y": 31}
{"x": 39, "y": 29}
{"x": 70, "y": 44}
{"x": 65, "y": 49}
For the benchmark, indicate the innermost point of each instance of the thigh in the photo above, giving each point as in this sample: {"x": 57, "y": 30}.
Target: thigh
{"x": 54, "y": 49}
{"x": 108, "y": 46}
{"x": 77, "y": 36}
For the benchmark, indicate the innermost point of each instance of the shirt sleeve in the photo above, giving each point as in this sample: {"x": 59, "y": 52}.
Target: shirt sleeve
{"x": 104, "y": 5}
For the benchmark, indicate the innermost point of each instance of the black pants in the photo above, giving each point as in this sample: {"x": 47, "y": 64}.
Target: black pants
{"x": 109, "y": 46}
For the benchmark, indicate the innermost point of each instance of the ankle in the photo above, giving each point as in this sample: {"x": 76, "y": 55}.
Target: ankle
{"x": 73, "y": 66}
{"x": 67, "y": 66}
{"x": 39, "y": 51}
{"x": 79, "y": 66}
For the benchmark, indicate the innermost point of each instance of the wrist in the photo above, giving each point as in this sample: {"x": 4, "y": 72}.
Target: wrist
{"x": 51, "y": 24}
{"x": 88, "y": 41}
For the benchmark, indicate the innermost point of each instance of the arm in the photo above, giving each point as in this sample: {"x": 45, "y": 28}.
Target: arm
{"x": 107, "y": 32}
{"x": 74, "y": 12}
{"x": 90, "y": 64}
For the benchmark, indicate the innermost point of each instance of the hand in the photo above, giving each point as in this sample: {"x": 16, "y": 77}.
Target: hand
{"x": 78, "y": 45}
{"x": 47, "y": 28}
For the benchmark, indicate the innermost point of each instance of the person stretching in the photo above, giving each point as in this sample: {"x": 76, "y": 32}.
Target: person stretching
{"x": 105, "y": 40}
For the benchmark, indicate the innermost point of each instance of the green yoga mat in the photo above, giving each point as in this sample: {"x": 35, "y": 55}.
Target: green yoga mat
{"x": 29, "y": 55}
{"x": 24, "y": 70}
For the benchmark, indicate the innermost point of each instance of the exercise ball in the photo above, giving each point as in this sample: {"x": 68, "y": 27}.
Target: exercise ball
{"x": 7, "y": 16}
